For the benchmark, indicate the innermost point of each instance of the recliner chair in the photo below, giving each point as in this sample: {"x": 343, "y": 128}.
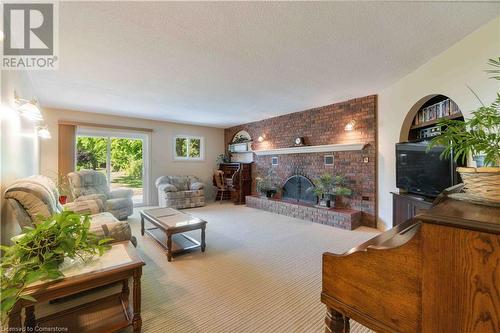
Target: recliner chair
{"x": 38, "y": 196}
{"x": 90, "y": 184}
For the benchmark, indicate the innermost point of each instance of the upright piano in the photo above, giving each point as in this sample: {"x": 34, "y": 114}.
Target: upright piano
{"x": 238, "y": 178}
{"x": 437, "y": 272}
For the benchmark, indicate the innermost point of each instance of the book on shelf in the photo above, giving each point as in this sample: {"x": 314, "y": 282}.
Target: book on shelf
{"x": 446, "y": 105}
{"x": 435, "y": 111}
{"x": 454, "y": 108}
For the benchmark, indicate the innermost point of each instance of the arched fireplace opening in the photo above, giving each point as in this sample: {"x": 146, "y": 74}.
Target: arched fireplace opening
{"x": 295, "y": 189}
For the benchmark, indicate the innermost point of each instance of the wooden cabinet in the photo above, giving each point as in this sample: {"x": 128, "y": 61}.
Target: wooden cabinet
{"x": 406, "y": 206}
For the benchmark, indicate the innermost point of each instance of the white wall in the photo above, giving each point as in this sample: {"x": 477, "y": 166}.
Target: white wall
{"x": 19, "y": 152}
{"x": 449, "y": 73}
{"x": 162, "y": 162}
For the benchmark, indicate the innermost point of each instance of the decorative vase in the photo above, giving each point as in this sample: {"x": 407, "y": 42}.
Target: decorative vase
{"x": 482, "y": 184}
{"x": 63, "y": 199}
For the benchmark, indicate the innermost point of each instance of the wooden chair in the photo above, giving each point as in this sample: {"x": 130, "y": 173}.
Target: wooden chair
{"x": 222, "y": 189}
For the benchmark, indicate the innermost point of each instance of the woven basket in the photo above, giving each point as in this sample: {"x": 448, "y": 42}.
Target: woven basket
{"x": 483, "y": 183}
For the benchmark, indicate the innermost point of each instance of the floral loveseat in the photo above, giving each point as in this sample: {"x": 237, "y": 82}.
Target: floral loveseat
{"x": 180, "y": 192}
{"x": 38, "y": 196}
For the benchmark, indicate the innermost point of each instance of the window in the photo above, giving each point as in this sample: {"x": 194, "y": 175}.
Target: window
{"x": 188, "y": 148}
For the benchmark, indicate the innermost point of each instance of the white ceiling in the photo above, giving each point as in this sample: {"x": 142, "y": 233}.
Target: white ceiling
{"x": 222, "y": 64}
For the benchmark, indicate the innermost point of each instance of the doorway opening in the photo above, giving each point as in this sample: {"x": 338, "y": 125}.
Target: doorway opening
{"x": 122, "y": 157}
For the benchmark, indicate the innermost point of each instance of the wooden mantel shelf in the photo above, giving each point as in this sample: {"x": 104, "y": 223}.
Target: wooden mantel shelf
{"x": 311, "y": 149}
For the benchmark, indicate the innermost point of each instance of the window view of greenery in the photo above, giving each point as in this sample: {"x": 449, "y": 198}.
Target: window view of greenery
{"x": 125, "y": 160}
{"x": 194, "y": 148}
{"x": 91, "y": 153}
{"x": 181, "y": 147}
{"x": 188, "y": 147}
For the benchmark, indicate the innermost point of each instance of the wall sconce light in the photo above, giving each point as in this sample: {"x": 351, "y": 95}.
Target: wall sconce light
{"x": 28, "y": 108}
{"x": 261, "y": 138}
{"x": 43, "y": 132}
{"x": 350, "y": 125}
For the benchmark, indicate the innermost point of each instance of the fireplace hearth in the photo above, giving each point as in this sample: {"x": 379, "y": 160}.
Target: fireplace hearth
{"x": 336, "y": 217}
{"x": 295, "y": 189}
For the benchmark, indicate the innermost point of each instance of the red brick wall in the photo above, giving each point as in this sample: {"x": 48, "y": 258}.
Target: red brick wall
{"x": 319, "y": 126}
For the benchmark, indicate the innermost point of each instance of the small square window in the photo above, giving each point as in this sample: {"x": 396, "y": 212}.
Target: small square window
{"x": 328, "y": 159}
{"x": 274, "y": 160}
{"x": 188, "y": 148}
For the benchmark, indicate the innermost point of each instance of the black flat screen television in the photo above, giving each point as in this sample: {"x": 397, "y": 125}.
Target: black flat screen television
{"x": 423, "y": 172}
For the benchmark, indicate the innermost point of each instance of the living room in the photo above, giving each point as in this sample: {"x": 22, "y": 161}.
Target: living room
{"x": 233, "y": 155}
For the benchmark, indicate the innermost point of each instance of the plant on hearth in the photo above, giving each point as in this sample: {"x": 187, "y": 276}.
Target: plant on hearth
{"x": 327, "y": 187}
{"x": 478, "y": 136}
{"x": 39, "y": 251}
{"x": 322, "y": 186}
{"x": 268, "y": 185}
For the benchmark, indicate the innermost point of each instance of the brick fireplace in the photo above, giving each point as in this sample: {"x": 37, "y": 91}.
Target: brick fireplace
{"x": 323, "y": 126}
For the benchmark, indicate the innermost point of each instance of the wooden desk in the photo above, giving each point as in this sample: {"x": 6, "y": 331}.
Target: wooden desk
{"x": 109, "y": 314}
{"x": 438, "y": 272}
{"x": 238, "y": 178}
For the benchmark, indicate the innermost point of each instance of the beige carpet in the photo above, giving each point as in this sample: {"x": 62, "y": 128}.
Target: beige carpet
{"x": 261, "y": 273}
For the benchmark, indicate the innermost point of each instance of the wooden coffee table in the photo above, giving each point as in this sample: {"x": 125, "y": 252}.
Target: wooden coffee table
{"x": 168, "y": 227}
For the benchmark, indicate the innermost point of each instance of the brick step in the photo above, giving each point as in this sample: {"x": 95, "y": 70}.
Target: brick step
{"x": 336, "y": 217}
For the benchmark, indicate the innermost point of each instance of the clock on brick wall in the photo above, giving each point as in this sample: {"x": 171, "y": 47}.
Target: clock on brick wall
{"x": 299, "y": 141}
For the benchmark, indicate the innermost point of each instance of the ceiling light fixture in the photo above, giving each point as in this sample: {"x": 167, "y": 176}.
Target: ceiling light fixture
{"x": 28, "y": 108}
{"x": 43, "y": 132}
{"x": 350, "y": 125}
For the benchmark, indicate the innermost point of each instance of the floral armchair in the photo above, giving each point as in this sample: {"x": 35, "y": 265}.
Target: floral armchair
{"x": 91, "y": 184}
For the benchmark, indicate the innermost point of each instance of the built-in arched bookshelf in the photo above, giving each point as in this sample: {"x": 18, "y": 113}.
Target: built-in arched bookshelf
{"x": 240, "y": 147}
{"x": 425, "y": 114}
{"x": 420, "y": 125}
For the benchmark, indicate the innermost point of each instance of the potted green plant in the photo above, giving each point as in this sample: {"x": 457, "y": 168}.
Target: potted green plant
{"x": 38, "y": 252}
{"x": 322, "y": 189}
{"x": 327, "y": 188}
{"x": 270, "y": 185}
{"x": 478, "y": 137}
{"x": 339, "y": 189}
